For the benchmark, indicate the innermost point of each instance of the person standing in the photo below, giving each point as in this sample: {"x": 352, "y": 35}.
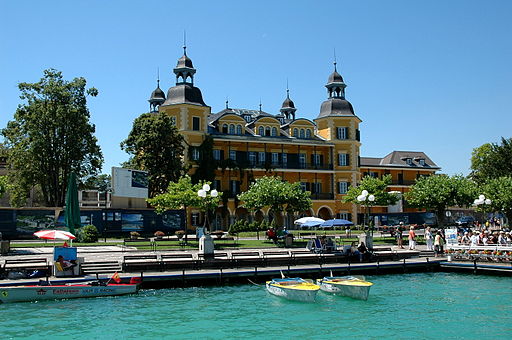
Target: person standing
{"x": 429, "y": 238}
{"x": 412, "y": 238}
{"x": 398, "y": 235}
{"x": 438, "y": 244}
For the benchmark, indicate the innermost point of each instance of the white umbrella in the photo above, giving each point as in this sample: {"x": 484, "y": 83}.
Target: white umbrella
{"x": 308, "y": 219}
{"x": 54, "y": 235}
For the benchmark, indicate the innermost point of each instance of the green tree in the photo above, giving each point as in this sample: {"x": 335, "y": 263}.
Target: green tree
{"x": 499, "y": 191}
{"x": 3, "y": 185}
{"x": 206, "y": 163}
{"x": 276, "y": 194}
{"x": 492, "y": 160}
{"x": 437, "y": 193}
{"x": 50, "y": 137}
{"x": 102, "y": 183}
{"x": 156, "y": 146}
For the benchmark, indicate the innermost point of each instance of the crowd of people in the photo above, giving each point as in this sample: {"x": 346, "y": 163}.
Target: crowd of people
{"x": 485, "y": 238}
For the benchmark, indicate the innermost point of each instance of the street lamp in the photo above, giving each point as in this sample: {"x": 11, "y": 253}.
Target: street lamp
{"x": 482, "y": 201}
{"x": 367, "y": 200}
{"x": 206, "y": 194}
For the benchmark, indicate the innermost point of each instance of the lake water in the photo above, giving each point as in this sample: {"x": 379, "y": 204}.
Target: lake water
{"x": 409, "y": 306}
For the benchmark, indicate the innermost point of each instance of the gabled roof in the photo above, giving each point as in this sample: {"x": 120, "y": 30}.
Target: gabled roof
{"x": 399, "y": 159}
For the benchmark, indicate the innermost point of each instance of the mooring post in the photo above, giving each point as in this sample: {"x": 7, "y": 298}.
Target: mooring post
{"x": 404, "y": 265}
{"x": 474, "y": 267}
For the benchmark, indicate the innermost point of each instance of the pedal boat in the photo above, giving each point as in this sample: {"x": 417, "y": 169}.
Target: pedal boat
{"x": 296, "y": 289}
{"x": 350, "y": 286}
{"x": 65, "y": 291}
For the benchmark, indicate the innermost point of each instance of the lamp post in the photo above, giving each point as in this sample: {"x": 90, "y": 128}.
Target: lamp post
{"x": 367, "y": 200}
{"x": 484, "y": 202}
{"x": 206, "y": 194}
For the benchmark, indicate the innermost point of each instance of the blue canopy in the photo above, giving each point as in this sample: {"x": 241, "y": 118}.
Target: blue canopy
{"x": 336, "y": 223}
{"x": 311, "y": 224}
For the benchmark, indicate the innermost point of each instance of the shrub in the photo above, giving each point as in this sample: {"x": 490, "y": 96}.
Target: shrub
{"x": 159, "y": 233}
{"x": 88, "y": 234}
{"x": 134, "y": 234}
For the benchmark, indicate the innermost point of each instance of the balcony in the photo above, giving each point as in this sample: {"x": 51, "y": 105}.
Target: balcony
{"x": 287, "y": 165}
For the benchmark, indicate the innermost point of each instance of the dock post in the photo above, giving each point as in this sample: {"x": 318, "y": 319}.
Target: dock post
{"x": 404, "y": 265}
{"x": 474, "y": 267}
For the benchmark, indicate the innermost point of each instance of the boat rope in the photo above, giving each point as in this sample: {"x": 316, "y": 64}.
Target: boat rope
{"x": 253, "y": 282}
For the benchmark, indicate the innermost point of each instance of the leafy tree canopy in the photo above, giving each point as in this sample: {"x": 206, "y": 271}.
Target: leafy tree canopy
{"x": 374, "y": 186}
{"x": 437, "y": 193}
{"x": 492, "y": 160}
{"x": 3, "y": 185}
{"x": 276, "y": 194}
{"x": 499, "y": 191}
{"x": 156, "y": 146}
{"x": 51, "y": 136}
{"x": 101, "y": 183}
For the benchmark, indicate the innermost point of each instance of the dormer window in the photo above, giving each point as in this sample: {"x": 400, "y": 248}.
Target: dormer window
{"x": 408, "y": 161}
{"x": 247, "y": 118}
{"x": 421, "y": 162}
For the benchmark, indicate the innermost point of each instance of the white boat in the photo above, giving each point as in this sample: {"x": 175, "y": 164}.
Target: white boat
{"x": 354, "y": 287}
{"x": 65, "y": 291}
{"x": 293, "y": 289}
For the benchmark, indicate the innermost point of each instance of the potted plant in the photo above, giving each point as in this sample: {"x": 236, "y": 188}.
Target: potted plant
{"x": 134, "y": 235}
{"x": 159, "y": 234}
{"x": 180, "y": 234}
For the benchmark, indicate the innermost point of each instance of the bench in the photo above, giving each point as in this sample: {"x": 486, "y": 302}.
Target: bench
{"x": 246, "y": 259}
{"x": 27, "y": 264}
{"x": 215, "y": 260}
{"x": 88, "y": 268}
{"x": 277, "y": 258}
{"x": 178, "y": 261}
{"x": 305, "y": 257}
{"x": 306, "y": 235}
{"x": 140, "y": 262}
{"x": 142, "y": 241}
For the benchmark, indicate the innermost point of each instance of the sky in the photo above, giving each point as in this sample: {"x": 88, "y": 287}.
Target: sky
{"x": 432, "y": 76}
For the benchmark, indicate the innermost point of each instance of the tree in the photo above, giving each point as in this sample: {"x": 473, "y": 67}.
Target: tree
{"x": 156, "y": 146}
{"x": 376, "y": 187}
{"x": 102, "y": 183}
{"x": 206, "y": 163}
{"x": 3, "y": 185}
{"x": 492, "y": 160}
{"x": 499, "y": 191}
{"x": 276, "y": 194}
{"x": 183, "y": 194}
{"x": 437, "y": 193}
{"x": 50, "y": 137}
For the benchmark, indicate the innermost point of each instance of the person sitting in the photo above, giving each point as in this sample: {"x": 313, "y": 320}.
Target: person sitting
{"x": 364, "y": 254}
{"x": 271, "y": 235}
{"x": 65, "y": 264}
{"x": 329, "y": 245}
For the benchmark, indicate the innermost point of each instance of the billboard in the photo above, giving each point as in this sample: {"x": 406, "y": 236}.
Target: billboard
{"x": 129, "y": 183}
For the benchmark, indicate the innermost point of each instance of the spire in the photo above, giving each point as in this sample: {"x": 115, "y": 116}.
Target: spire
{"x": 157, "y": 97}
{"x": 288, "y": 108}
{"x": 184, "y": 42}
{"x": 184, "y": 70}
{"x": 227, "y": 103}
{"x": 260, "y": 105}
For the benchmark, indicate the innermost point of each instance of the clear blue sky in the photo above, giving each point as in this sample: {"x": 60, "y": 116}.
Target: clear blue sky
{"x": 432, "y": 76}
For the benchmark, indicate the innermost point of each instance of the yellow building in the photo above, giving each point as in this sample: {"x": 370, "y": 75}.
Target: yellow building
{"x": 323, "y": 155}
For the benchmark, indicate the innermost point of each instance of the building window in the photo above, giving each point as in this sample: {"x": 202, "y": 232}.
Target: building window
{"x": 225, "y": 128}
{"x": 261, "y": 131}
{"x": 342, "y": 133}
{"x": 173, "y": 120}
{"x": 295, "y": 132}
{"x": 234, "y": 187}
{"x": 252, "y": 157}
{"x": 195, "y": 154}
{"x": 345, "y": 216}
{"x": 343, "y": 159}
{"x": 400, "y": 178}
{"x": 317, "y": 159}
{"x": 195, "y": 219}
{"x": 302, "y": 134}
{"x": 303, "y": 186}
{"x": 408, "y": 161}
{"x": 261, "y": 157}
{"x": 216, "y": 184}
{"x": 267, "y": 131}
{"x": 275, "y": 158}
{"x": 308, "y": 133}
{"x": 302, "y": 160}
{"x": 196, "y": 123}
{"x": 231, "y": 129}
{"x": 239, "y": 129}
{"x": 216, "y": 155}
{"x": 274, "y": 132}
{"x": 342, "y": 187}
{"x": 317, "y": 188}
{"x": 247, "y": 118}
{"x": 421, "y": 161}
{"x": 232, "y": 155}
{"x": 285, "y": 160}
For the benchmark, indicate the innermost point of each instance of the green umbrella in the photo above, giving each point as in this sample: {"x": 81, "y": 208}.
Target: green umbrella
{"x": 72, "y": 206}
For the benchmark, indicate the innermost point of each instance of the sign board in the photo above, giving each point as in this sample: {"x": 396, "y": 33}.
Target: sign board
{"x": 451, "y": 236}
{"x": 129, "y": 183}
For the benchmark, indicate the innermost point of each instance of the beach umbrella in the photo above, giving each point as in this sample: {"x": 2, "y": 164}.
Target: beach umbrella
{"x": 308, "y": 219}
{"x": 337, "y": 222}
{"x": 310, "y": 224}
{"x": 72, "y": 205}
{"x": 54, "y": 235}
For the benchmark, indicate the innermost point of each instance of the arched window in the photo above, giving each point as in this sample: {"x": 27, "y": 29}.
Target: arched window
{"x": 261, "y": 131}
{"x": 302, "y": 133}
{"x": 231, "y": 129}
{"x": 267, "y": 131}
{"x": 308, "y": 133}
{"x": 225, "y": 128}
{"x": 295, "y": 132}
{"x": 274, "y": 132}
{"x": 239, "y": 129}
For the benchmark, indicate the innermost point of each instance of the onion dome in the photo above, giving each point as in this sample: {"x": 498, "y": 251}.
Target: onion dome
{"x": 288, "y": 108}
{"x": 336, "y": 104}
{"x": 157, "y": 98}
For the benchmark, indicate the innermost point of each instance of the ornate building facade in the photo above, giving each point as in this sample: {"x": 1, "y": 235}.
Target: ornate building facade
{"x": 323, "y": 154}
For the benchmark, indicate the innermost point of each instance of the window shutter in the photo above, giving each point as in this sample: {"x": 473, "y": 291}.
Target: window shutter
{"x": 321, "y": 159}
{"x": 347, "y": 158}
{"x": 308, "y": 186}
{"x": 221, "y": 155}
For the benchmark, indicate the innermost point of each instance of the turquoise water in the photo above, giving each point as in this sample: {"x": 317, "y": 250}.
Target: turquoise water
{"x": 411, "y": 306}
